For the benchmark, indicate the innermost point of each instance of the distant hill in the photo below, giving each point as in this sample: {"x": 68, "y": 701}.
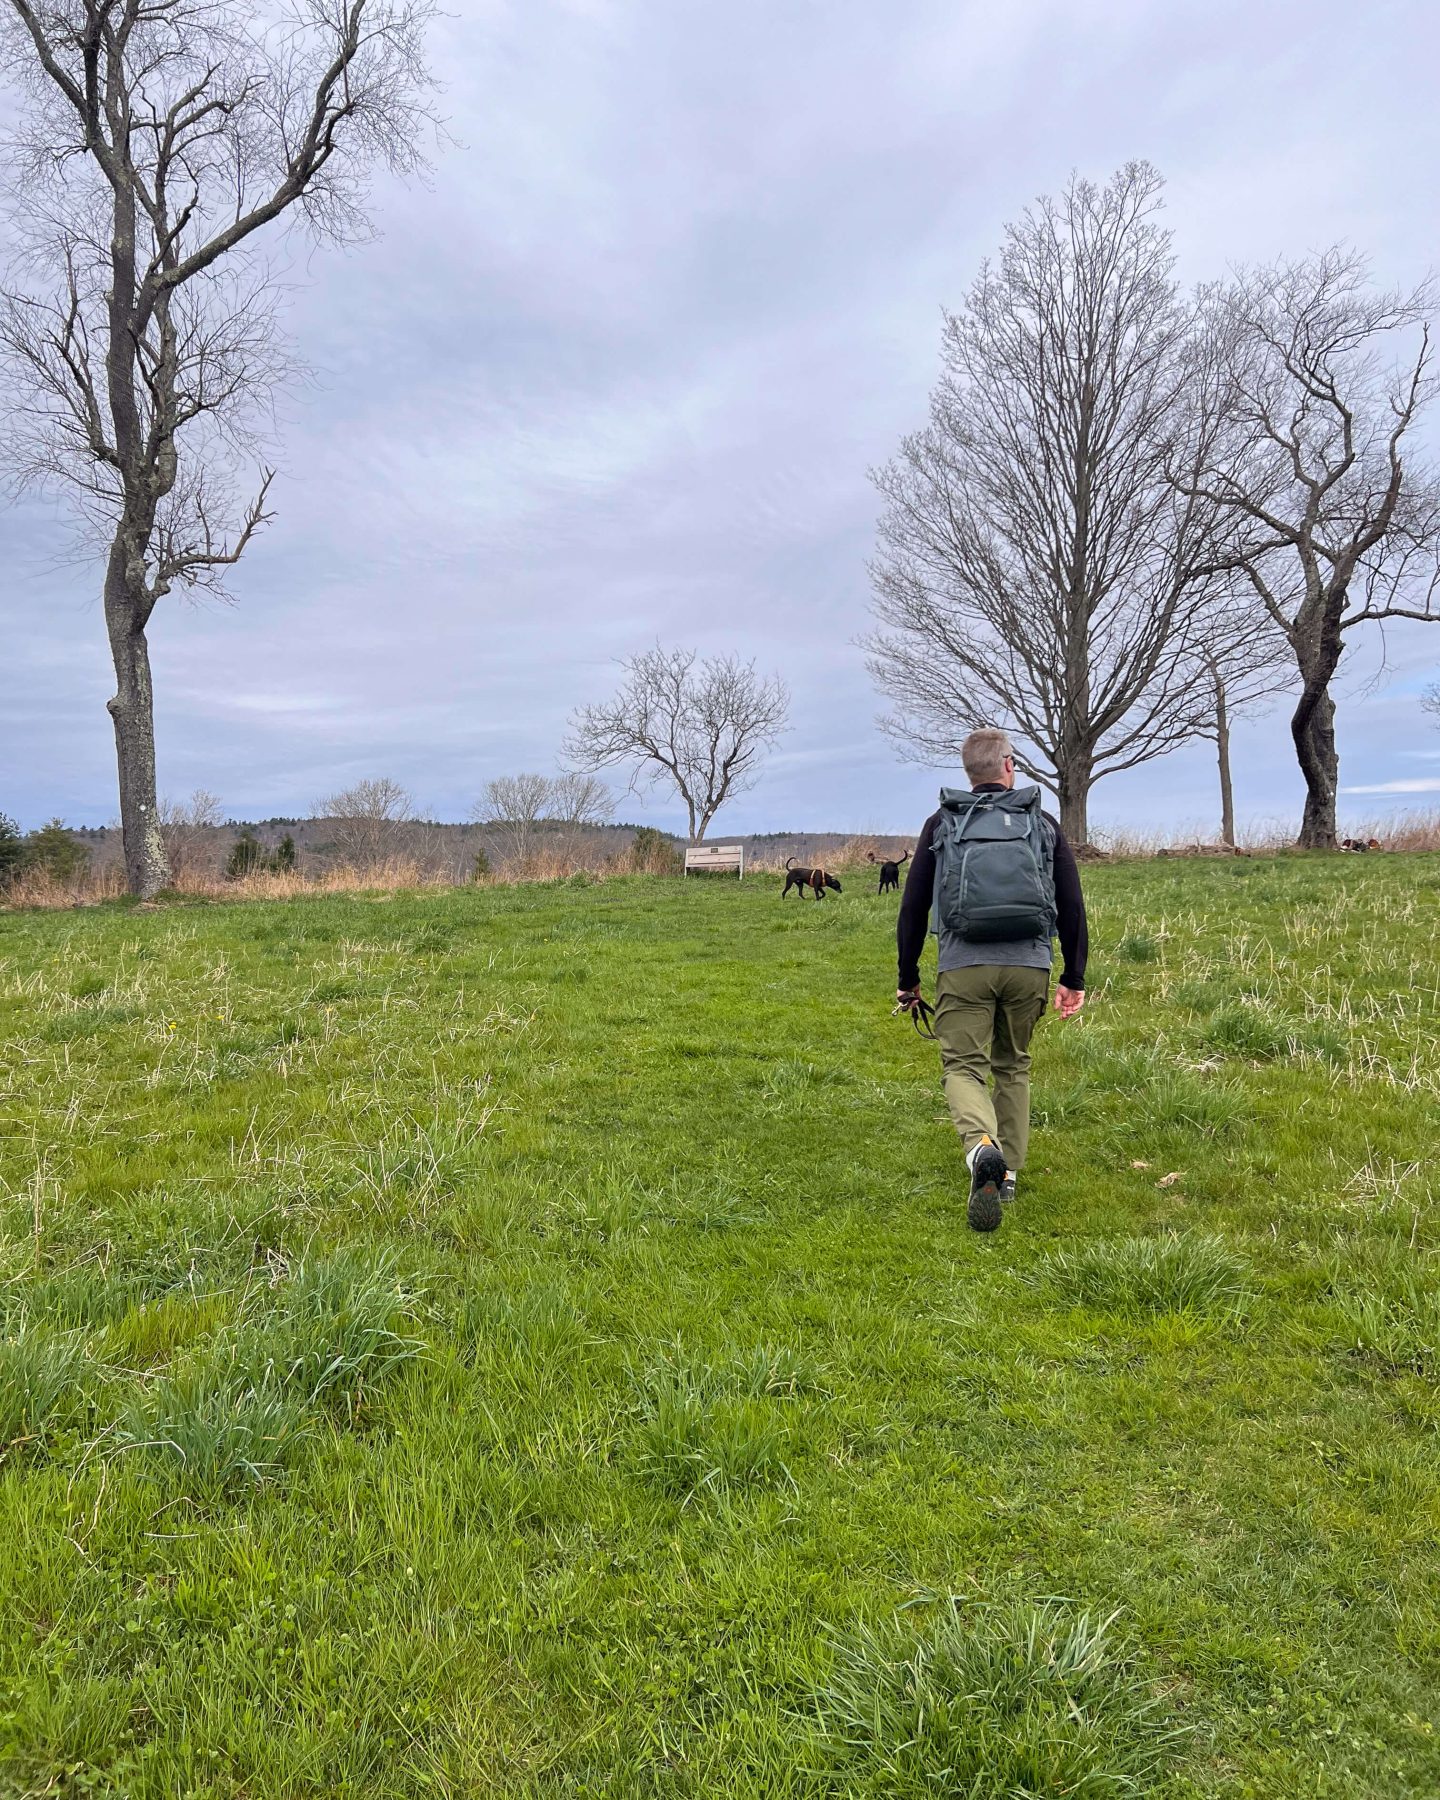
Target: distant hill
{"x": 451, "y": 849}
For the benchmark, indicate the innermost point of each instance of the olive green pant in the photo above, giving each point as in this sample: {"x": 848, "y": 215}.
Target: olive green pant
{"x": 984, "y": 1019}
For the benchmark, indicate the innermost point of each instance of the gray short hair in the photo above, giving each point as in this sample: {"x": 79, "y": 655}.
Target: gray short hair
{"x": 983, "y": 754}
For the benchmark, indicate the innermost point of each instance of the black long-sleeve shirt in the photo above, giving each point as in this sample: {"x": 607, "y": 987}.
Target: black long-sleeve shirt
{"x": 914, "y": 921}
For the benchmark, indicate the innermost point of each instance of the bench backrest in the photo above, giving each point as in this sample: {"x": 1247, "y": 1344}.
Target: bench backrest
{"x": 715, "y": 856}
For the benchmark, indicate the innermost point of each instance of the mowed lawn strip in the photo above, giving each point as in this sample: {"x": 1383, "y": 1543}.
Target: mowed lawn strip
{"x": 527, "y": 1341}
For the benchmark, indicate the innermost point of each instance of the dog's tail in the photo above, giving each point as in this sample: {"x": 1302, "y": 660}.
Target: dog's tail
{"x": 900, "y": 859}
{"x": 789, "y": 862}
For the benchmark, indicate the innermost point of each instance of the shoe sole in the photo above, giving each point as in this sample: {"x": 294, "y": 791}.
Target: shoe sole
{"x": 984, "y": 1211}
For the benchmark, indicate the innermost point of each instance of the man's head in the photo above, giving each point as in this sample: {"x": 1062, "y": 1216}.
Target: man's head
{"x": 988, "y": 755}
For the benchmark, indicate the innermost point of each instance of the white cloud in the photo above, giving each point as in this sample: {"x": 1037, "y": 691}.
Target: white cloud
{"x": 1424, "y": 784}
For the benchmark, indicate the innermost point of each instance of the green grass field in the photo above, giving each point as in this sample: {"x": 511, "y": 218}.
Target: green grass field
{"x": 528, "y": 1342}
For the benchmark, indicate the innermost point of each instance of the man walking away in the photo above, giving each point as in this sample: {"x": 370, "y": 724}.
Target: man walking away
{"x": 995, "y": 879}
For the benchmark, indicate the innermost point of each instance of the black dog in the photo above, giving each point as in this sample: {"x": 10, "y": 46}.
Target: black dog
{"x": 815, "y": 879}
{"x": 889, "y": 871}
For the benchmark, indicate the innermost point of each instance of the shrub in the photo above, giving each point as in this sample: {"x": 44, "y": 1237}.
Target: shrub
{"x": 54, "y": 850}
{"x": 1018, "y": 1700}
{"x": 480, "y": 868}
{"x": 12, "y": 851}
{"x": 284, "y": 860}
{"x": 652, "y": 853}
{"x": 247, "y": 856}
{"x": 1138, "y": 1275}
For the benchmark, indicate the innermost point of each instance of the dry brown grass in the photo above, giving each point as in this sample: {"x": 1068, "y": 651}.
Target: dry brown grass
{"x": 397, "y": 874}
{"x": 1416, "y": 830}
{"x": 39, "y": 889}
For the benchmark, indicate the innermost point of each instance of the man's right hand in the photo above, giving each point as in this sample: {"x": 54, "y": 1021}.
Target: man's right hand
{"x": 907, "y": 999}
{"x": 1068, "y": 1001}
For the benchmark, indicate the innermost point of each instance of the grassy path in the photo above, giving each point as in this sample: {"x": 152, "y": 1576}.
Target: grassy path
{"x": 527, "y": 1342}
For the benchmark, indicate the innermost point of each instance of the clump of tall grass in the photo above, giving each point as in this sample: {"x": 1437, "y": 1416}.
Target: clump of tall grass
{"x": 41, "y": 1375}
{"x": 1415, "y": 829}
{"x": 538, "y": 1324}
{"x": 330, "y": 1330}
{"x": 212, "y": 1431}
{"x": 1256, "y": 1030}
{"x": 1135, "y": 1276}
{"x": 1393, "y": 1320}
{"x": 1033, "y": 1701}
{"x": 1176, "y": 1099}
{"x": 774, "y": 1371}
{"x": 691, "y": 1441}
{"x": 417, "y": 1162}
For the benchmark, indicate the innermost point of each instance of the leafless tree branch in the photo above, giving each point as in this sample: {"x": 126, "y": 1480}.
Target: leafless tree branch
{"x": 158, "y": 140}
{"x": 701, "y": 727}
{"x": 1037, "y": 568}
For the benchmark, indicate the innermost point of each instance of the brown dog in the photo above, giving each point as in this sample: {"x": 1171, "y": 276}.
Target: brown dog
{"x": 815, "y": 879}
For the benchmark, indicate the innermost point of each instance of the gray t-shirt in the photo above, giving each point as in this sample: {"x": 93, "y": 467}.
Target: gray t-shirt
{"x": 1023, "y": 953}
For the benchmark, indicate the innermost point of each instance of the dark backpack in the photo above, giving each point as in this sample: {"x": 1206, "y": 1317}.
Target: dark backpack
{"x": 994, "y": 867}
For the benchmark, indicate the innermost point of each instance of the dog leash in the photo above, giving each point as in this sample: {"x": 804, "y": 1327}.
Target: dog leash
{"x": 921, "y": 1013}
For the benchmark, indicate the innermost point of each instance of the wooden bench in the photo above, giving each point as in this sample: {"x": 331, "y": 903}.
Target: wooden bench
{"x": 715, "y": 856}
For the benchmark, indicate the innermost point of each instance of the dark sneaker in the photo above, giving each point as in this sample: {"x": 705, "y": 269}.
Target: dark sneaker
{"x": 987, "y": 1173}
{"x": 1007, "y": 1190}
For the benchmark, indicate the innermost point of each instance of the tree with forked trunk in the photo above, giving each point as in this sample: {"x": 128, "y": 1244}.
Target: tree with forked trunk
{"x": 1331, "y": 515}
{"x": 1037, "y": 567}
{"x": 159, "y": 139}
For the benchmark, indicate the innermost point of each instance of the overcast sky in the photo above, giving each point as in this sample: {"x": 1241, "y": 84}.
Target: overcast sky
{"x": 619, "y": 372}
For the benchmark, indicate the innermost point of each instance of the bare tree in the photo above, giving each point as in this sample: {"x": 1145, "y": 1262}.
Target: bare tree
{"x": 160, "y": 138}
{"x": 1430, "y": 700}
{"x": 1245, "y": 673}
{"x": 511, "y": 807}
{"x": 1334, "y": 523}
{"x": 367, "y": 820}
{"x": 1036, "y": 566}
{"x": 185, "y": 827}
{"x": 700, "y": 727}
{"x": 579, "y": 803}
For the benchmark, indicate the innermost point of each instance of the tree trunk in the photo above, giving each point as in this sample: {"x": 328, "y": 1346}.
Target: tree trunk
{"x": 1313, "y": 729}
{"x": 1222, "y": 747}
{"x": 1073, "y": 789}
{"x": 147, "y": 868}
